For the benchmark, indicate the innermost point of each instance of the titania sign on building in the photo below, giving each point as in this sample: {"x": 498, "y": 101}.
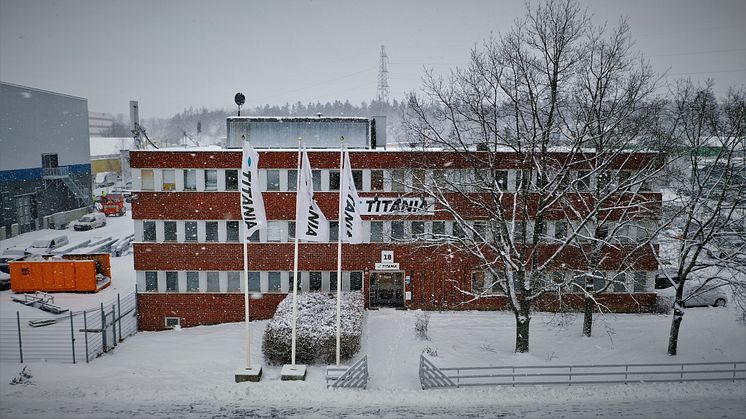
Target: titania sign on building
{"x": 396, "y": 205}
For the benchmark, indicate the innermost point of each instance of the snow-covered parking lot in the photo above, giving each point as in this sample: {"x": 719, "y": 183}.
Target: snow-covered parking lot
{"x": 189, "y": 372}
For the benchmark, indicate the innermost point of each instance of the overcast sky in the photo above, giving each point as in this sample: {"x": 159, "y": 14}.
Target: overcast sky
{"x": 171, "y": 55}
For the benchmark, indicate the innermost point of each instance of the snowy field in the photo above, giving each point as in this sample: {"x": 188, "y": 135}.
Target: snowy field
{"x": 189, "y": 372}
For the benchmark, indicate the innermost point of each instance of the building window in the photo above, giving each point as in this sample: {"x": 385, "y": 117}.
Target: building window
{"x": 334, "y": 180}
{"x": 603, "y": 179}
{"x": 520, "y": 175}
{"x": 291, "y": 230}
{"x": 584, "y": 180}
{"x": 316, "y": 176}
{"x": 357, "y": 178}
{"x": 274, "y": 230}
{"x": 333, "y": 231}
{"x": 190, "y": 231}
{"x": 501, "y": 179}
{"x": 291, "y": 282}
{"x": 169, "y": 180}
{"x": 273, "y": 180}
{"x": 190, "y": 179}
{"x": 254, "y": 237}
{"x": 439, "y": 228}
{"x": 213, "y": 282}
{"x": 397, "y": 180}
{"x": 640, "y": 282}
{"x": 560, "y": 230}
{"x": 332, "y": 282}
{"x": 376, "y": 180}
{"x": 397, "y": 230}
{"x": 232, "y": 230}
{"x": 458, "y": 231}
{"x": 477, "y": 282}
{"x": 147, "y": 179}
{"x": 211, "y": 231}
{"x": 192, "y": 282}
{"x": 292, "y": 179}
{"x": 231, "y": 180}
{"x": 602, "y": 232}
{"x": 480, "y": 231}
{"x": 169, "y": 231}
{"x": 599, "y": 281}
{"x": 376, "y": 231}
{"x": 172, "y": 322}
{"x": 314, "y": 281}
{"x": 151, "y": 281}
{"x": 418, "y": 229}
{"x": 254, "y": 283}
{"x": 148, "y": 231}
{"x": 275, "y": 282}
{"x": 356, "y": 281}
{"x": 172, "y": 281}
{"x": 234, "y": 281}
{"x": 620, "y": 282}
{"x": 211, "y": 180}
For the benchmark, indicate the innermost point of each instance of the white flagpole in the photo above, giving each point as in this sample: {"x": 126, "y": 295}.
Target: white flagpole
{"x": 340, "y": 220}
{"x": 246, "y": 295}
{"x": 295, "y": 262}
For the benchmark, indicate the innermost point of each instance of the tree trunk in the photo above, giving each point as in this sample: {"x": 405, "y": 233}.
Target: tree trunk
{"x": 522, "y": 321}
{"x": 588, "y": 316}
{"x": 673, "y": 336}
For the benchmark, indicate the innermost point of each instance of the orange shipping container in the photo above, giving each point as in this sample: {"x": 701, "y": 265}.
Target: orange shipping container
{"x": 54, "y": 275}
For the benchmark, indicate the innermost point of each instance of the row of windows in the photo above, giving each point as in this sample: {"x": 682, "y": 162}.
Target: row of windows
{"x": 259, "y": 282}
{"x": 368, "y": 180}
{"x": 621, "y": 282}
{"x": 374, "y": 231}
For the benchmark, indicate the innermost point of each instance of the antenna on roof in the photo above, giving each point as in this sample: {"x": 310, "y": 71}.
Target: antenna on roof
{"x": 240, "y": 99}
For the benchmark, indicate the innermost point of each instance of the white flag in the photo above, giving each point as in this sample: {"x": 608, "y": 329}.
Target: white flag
{"x": 310, "y": 222}
{"x": 352, "y": 229}
{"x": 252, "y": 204}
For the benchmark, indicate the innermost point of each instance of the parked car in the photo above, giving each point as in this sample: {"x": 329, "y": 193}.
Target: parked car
{"x": 11, "y": 255}
{"x": 697, "y": 293}
{"x": 44, "y": 246}
{"x": 90, "y": 221}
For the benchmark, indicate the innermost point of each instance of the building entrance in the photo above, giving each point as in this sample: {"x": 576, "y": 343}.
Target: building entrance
{"x": 387, "y": 289}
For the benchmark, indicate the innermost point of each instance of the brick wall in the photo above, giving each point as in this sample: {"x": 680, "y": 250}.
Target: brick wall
{"x": 201, "y": 309}
{"x": 205, "y": 309}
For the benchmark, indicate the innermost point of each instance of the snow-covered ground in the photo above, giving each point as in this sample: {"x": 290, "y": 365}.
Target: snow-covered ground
{"x": 189, "y": 372}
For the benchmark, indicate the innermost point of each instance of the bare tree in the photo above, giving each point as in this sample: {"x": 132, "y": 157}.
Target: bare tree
{"x": 611, "y": 113}
{"x": 524, "y": 95}
{"x": 707, "y": 187}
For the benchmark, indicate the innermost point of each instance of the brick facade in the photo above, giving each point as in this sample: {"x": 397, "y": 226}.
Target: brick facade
{"x": 435, "y": 276}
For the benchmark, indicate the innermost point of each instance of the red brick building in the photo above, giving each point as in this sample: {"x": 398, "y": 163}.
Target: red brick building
{"x": 188, "y": 250}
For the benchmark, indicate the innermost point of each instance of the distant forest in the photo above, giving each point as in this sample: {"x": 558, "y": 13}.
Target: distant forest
{"x": 207, "y": 126}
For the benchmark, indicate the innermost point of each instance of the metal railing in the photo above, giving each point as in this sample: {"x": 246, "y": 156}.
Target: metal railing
{"x": 432, "y": 376}
{"x": 355, "y": 376}
{"x": 70, "y": 337}
{"x": 55, "y": 172}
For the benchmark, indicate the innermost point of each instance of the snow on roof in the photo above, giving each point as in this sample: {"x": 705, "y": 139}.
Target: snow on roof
{"x": 108, "y": 146}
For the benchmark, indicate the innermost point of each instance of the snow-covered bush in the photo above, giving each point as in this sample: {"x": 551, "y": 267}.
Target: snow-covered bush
{"x": 24, "y": 377}
{"x": 663, "y": 304}
{"x": 421, "y": 324}
{"x": 316, "y": 329}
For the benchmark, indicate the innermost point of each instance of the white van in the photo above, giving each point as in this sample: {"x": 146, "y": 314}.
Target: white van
{"x": 90, "y": 221}
{"x": 44, "y": 246}
{"x": 106, "y": 179}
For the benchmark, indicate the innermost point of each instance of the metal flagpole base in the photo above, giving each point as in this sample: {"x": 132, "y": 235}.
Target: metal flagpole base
{"x": 293, "y": 372}
{"x": 253, "y": 374}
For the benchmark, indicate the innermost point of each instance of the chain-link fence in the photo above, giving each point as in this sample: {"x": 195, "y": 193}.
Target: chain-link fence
{"x": 70, "y": 337}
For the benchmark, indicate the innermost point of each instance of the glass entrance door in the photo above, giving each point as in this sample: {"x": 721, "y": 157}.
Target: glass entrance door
{"x": 387, "y": 289}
